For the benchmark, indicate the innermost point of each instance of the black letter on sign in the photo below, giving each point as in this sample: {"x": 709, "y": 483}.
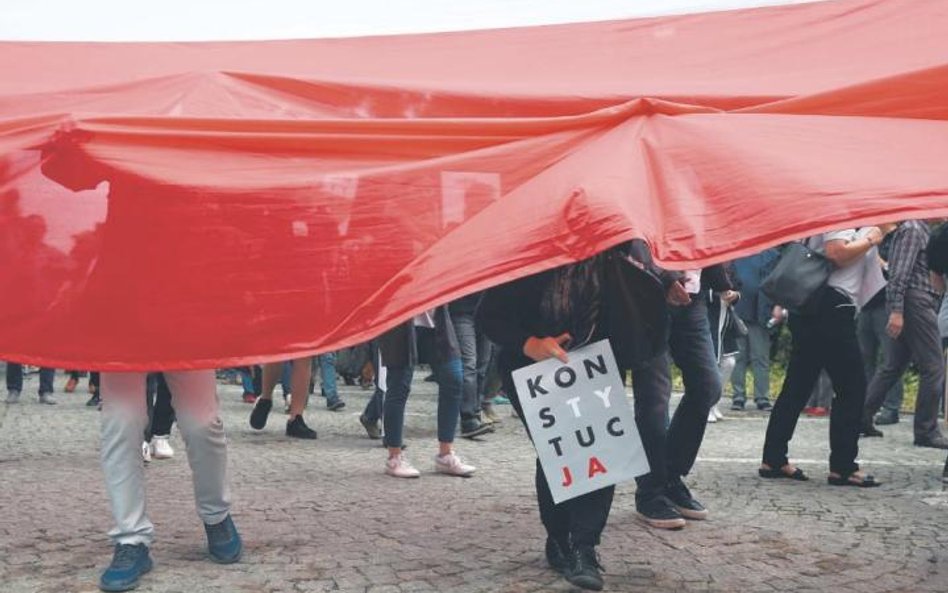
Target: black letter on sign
{"x": 547, "y": 417}
{"x": 613, "y": 431}
{"x": 592, "y": 437}
{"x": 556, "y": 445}
{"x": 600, "y": 368}
{"x": 570, "y": 374}
{"x": 534, "y": 387}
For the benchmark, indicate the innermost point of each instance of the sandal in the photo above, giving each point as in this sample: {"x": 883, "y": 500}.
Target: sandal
{"x": 778, "y": 473}
{"x": 865, "y": 481}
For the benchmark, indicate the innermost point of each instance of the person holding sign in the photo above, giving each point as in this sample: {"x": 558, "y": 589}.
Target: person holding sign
{"x": 539, "y": 318}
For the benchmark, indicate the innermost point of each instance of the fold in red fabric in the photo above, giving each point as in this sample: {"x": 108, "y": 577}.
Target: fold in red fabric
{"x": 195, "y": 205}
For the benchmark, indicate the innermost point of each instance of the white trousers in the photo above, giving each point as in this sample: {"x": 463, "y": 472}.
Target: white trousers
{"x": 124, "y": 416}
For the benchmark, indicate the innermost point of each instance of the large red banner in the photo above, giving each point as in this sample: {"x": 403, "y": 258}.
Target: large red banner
{"x": 184, "y": 205}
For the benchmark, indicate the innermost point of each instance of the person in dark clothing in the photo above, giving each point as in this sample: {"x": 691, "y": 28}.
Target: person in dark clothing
{"x": 662, "y": 500}
{"x": 824, "y": 336}
{"x": 540, "y": 317}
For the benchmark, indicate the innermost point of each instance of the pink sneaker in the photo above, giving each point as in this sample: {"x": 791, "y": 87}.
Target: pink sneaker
{"x": 399, "y": 467}
{"x": 452, "y": 465}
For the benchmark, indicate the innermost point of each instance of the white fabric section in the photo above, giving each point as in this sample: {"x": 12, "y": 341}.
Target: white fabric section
{"x": 124, "y": 415}
{"x": 185, "y": 20}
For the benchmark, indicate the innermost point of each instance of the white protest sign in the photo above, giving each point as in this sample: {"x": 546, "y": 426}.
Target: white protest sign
{"x": 580, "y": 420}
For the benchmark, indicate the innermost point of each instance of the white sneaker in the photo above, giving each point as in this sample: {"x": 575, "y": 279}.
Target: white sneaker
{"x": 717, "y": 412}
{"x": 47, "y": 399}
{"x": 161, "y": 448}
{"x": 399, "y": 467}
{"x": 711, "y": 416}
{"x": 452, "y": 465}
{"x": 13, "y": 397}
{"x": 146, "y": 452}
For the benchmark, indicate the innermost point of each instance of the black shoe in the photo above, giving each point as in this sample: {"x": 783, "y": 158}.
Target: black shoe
{"x": 297, "y": 429}
{"x": 658, "y": 512}
{"x": 335, "y": 405}
{"x": 557, "y": 555}
{"x": 944, "y": 473}
{"x": 765, "y": 406}
{"x": 584, "y": 568}
{"x": 371, "y": 428}
{"x": 886, "y": 417}
{"x": 260, "y": 412}
{"x": 681, "y": 497}
{"x": 473, "y": 427}
{"x": 868, "y": 430}
{"x": 94, "y": 400}
{"x": 936, "y": 442}
{"x": 737, "y": 405}
{"x": 431, "y": 378}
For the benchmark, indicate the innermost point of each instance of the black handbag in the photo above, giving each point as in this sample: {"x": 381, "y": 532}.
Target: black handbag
{"x": 798, "y": 278}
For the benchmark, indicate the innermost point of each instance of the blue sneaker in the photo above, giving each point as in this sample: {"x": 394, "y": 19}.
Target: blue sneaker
{"x": 129, "y": 563}
{"x": 223, "y": 542}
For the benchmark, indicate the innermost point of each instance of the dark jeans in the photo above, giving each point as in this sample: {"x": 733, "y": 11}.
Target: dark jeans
{"x": 672, "y": 453}
{"x": 467, "y": 341}
{"x": 579, "y": 520}
{"x": 160, "y": 413}
{"x": 826, "y": 339}
{"x": 919, "y": 342}
{"x": 875, "y": 344}
{"x": 398, "y": 386}
{"x": 15, "y": 378}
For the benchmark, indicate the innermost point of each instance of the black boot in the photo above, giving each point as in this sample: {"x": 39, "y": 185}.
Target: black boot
{"x": 557, "y": 555}
{"x": 585, "y": 568}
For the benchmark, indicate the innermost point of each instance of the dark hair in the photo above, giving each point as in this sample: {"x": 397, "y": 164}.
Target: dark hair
{"x": 938, "y": 250}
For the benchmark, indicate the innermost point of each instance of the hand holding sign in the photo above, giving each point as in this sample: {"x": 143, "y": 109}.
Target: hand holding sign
{"x": 580, "y": 420}
{"x": 543, "y": 348}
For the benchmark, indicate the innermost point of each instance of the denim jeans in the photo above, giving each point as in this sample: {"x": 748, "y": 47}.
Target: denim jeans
{"x": 15, "y": 378}
{"x": 327, "y": 373}
{"x": 672, "y": 453}
{"x": 398, "y": 386}
{"x": 467, "y": 340}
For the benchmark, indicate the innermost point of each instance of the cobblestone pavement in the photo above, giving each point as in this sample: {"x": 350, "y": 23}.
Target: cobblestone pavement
{"x": 321, "y": 516}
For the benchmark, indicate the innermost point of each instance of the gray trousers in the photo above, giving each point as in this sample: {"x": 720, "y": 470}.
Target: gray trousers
{"x": 124, "y": 417}
{"x": 875, "y": 344}
{"x": 920, "y": 343}
{"x": 753, "y": 349}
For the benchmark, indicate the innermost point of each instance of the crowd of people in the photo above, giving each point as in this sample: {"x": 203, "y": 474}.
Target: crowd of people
{"x": 881, "y": 310}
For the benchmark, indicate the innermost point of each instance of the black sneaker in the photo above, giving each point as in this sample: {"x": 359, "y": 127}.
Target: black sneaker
{"x": 557, "y": 555}
{"x": 658, "y": 512}
{"x": 260, "y": 412}
{"x": 94, "y": 400}
{"x": 336, "y": 404}
{"x": 765, "y": 406}
{"x": 869, "y": 430}
{"x": 473, "y": 427}
{"x": 584, "y": 569}
{"x": 944, "y": 473}
{"x": 297, "y": 429}
{"x": 681, "y": 497}
{"x": 371, "y": 428}
{"x": 933, "y": 442}
{"x": 737, "y": 405}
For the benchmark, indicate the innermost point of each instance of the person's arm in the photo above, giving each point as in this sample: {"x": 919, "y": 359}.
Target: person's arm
{"x": 906, "y": 245}
{"x": 497, "y": 316}
{"x": 842, "y": 253}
